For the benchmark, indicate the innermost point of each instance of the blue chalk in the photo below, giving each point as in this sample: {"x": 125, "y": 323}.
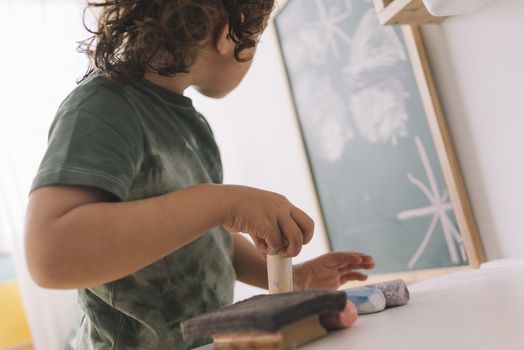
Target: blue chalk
{"x": 367, "y": 300}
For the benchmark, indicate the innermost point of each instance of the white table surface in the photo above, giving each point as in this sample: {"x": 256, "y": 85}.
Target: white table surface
{"x": 478, "y": 310}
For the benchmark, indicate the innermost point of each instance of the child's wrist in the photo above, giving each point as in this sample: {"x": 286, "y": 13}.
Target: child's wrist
{"x": 214, "y": 201}
{"x": 299, "y": 280}
{"x": 228, "y": 199}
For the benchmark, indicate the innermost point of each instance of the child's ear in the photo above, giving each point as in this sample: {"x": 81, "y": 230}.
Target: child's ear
{"x": 222, "y": 42}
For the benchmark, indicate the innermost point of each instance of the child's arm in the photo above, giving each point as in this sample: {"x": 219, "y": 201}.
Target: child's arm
{"x": 76, "y": 238}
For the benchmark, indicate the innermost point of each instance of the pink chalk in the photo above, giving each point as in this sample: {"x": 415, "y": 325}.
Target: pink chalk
{"x": 344, "y": 319}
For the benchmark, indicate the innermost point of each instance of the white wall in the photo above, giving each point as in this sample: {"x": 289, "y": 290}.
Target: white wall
{"x": 477, "y": 61}
{"x": 478, "y": 65}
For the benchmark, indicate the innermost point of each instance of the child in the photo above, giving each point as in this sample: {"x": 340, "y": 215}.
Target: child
{"x": 128, "y": 206}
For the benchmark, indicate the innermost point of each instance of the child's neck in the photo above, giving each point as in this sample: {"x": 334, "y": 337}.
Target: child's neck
{"x": 175, "y": 84}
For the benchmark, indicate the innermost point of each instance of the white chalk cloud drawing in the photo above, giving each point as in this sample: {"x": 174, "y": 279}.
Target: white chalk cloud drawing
{"x": 324, "y": 117}
{"x": 378, "y": 115}
{"x": 438, "y": 211}
{"x": 378, "y": 106}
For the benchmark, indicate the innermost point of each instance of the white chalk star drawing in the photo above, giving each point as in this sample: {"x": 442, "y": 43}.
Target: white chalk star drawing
{"x": 328, "y": 24}
{"x": 438, "y": 210}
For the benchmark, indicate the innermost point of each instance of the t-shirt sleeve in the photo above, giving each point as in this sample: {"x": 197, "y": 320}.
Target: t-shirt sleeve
{"x": 94, "y": 141}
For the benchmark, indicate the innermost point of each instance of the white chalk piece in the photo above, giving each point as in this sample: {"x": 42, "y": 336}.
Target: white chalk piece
{"x": 395, "y": 291}
{"x": 367, "y": 300}
{"x": 279, "y": 274}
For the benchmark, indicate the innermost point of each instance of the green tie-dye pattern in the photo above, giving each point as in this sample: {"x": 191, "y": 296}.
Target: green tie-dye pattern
{"x": 143, "y": 311}
{"x": 171, "y": 147}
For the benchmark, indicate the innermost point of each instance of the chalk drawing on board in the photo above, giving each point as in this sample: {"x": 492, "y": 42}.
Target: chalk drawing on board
{"x": 361, "y": 155}
{"x": 325, "y": 114}
{"x": 374, "y": 45}
{"x": 379, "y": 112}
{"x": 328, "y": 24}
{"x": 378, "y": 106}
{"x": 310, "y": 46}
{"x": 318, "y": 38}
{"x": 438, "y": 208}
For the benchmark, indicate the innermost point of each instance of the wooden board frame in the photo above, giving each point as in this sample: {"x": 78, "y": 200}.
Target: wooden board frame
{"x": 444, "y": 145}
{"x": 445, "y": 152}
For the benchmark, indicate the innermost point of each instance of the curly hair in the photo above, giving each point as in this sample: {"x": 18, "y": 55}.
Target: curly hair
{"x": 165, "y": 36}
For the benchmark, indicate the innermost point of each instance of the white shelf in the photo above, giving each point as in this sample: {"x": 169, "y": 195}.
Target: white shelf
{"x": 404, "y": 12}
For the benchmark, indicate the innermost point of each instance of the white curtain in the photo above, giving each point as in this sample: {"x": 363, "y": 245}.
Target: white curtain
{"x": 39, "y": 66}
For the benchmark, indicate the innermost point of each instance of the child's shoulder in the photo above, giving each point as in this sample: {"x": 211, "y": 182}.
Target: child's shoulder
{"x": 96, "y": 93}
{"x": 98, "y": 101}
{"x": 98, "y": 88}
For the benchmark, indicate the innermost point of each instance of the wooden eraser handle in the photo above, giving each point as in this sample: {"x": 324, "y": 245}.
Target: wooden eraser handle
{"x": 279, "y": 274}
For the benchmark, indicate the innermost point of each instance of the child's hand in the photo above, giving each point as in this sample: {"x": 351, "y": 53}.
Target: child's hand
{"x": 274, "y": 224}
{"x": 331, "y": 270}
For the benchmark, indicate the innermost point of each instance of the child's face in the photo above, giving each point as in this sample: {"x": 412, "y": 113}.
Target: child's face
{"x": 221, "y": 72}
{"x": 225, "y": 75}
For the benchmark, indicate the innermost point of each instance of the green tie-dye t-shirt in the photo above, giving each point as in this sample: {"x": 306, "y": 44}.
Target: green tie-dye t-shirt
{"x": 138, "y": 141}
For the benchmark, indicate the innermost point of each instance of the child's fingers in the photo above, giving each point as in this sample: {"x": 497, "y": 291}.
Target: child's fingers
{"x": 293, "y": 236}
{"x": 261, "y": 245}
{"x": 343, "y": 259}
{"x": 304, "y": 222}
{"x": 353, "y": 276}
{"x": 274, "y": 241}
{"x": 350, "y": 268}
{"x": 368, "y": 265}
{"x": 366, "y": 258}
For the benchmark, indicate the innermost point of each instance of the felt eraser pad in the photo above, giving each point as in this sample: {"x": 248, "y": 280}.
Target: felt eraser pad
{"x": 264, "y": 313}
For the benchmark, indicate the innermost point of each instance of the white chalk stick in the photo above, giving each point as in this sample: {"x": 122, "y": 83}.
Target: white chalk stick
{"x": 279, "y": 274}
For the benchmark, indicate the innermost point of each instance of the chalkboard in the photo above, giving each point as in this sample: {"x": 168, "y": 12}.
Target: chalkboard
{"x": 371, "y": 151}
